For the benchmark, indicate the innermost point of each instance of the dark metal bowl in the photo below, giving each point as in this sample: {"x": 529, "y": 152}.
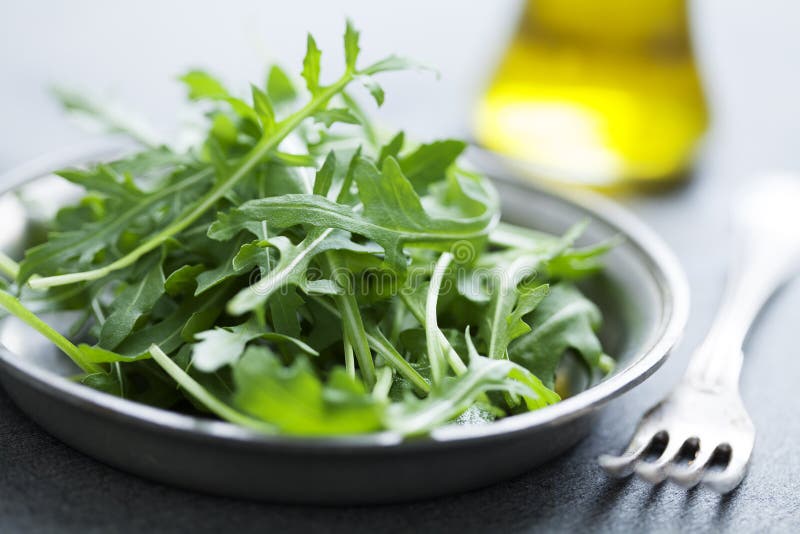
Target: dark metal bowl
{"x": 643, "y": 296}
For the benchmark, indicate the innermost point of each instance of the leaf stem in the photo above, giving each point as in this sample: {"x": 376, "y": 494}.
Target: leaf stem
{"x": 8, "y": 266}
{"x": 349, "y": 361}
{"x": 435, "y": 348}
{"x": 203, "y": 396}
{"x": 456, "y": 363}
{"x": 383, "y": 384}
{"x": 15, "y": 307}
{"x": 122, "y": 221}
{"x": 183, "y": 221}
{"x": 354, "y": 331}
{"x": 382, "y": 346}
{"x": 352, "y": 324}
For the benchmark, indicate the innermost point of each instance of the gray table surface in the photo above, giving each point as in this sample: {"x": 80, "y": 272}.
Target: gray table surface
{"x": 746, "y": 53}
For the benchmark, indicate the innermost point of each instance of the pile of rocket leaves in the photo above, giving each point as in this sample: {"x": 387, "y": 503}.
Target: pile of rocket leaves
{"x": 297, "y": 271}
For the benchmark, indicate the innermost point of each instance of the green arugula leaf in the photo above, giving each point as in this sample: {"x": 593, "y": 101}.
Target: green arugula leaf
{"x": 241, "y": 258}
{"x": 330, "y": 116}
{"x": 392, "y": 148}
{"x": 134, "y": 301}
{"x": 311, "y": 66}
{"x": 429, "y": 163}
{"x": 575, "y": 264}
{"x": 193, "y": 315}
{"x": 202, "y": 395}
{"x": 223, "y": 346}
{"x": 76, "y": 249}
{"x": 393, "y": 63}
{"x": 105, "y": 180}
{"x": 284, "y": 311}
{"x": 512, "y": 272}
{"x": 528, "y": 298}
{"x": 291, "y": 268}
{"x": 324, "y": 178}
{"x": 351, "y": 48}
{"x": 263, "y": 108}
{"x": 374, "y": 89}
{"x": 297, "y": 402}
{"x": 279, "y": 87}
{"x": 183, "y": 280}
{"x": 456, "y": 394}
{"x": 564, "y": 320}
{"x": 111, "y": 118}
{"x": 203, "y": 86}
{"x": 393, "y": 214}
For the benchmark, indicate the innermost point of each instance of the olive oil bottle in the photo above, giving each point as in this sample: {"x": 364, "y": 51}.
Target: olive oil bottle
{"x": 597, "y": 92}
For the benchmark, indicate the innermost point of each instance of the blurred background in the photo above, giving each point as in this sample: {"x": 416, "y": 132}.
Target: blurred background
{"x": 131, "y": 52}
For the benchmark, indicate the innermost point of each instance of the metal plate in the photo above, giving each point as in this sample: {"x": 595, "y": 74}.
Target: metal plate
{"x": 643, "y": 296}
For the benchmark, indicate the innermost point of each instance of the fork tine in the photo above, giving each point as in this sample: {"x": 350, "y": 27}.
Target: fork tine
{"x": 623, "y": 465}
{"x": 726, "y": 480}
{"x": 656, "y": 471}
{"x": 619, "y": 466}
{"x": 690, "y": 475}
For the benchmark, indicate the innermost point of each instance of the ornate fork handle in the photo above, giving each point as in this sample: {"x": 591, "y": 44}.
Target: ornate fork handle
{"x": 705, "y": 414}
{"x": 763, "y": 263}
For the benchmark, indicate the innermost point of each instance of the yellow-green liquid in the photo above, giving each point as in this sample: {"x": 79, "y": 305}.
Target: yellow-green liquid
{"x": 599, "y": 92}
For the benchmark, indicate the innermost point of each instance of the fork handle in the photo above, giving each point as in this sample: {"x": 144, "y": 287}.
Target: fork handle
{"x": 764, "y": 263}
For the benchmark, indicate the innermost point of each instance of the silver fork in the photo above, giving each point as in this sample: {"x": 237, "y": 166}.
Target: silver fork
{"x": 703, "y": 421}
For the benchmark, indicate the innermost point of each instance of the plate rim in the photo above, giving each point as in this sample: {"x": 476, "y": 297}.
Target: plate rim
{"x": 662, "y": 264}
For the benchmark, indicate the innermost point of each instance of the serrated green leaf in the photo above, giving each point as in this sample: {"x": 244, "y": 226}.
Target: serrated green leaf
{"x": 311, "y": 65}
{"x": 392, "y": 148}
{"x": 223, "y": 346}
{"x": 77, "y": 249}
{"x": 192, "y": 315}
{"x": 333, "y": 115}
{"x": 514, "y": 273}
{"x": 97, "y": 354}
{"x": 393, "y": 214}
{"x": 105, "y": 180}
{"x": 393, "y": 63}
{"x": 374, "y": 89}
{"x": 111, "y": 118}
{"x": 183, "y": 280}
{"x": 241, "y": 258}
{"x": 134, "y": 301}
{"x": 297, "y": 402}
{"x": 564, "y": 320}
{"x": 574, "y": 264}
{"x": 456, "y": 394}
{"x": 351, "y": 48}
{"x": 291, "y": 268}
{"x": 429, "y": 163}
{"x": 279, "y": 87}
{"x": 263, "y": 107}
{"x": 285, "y": 313}
{"x": 324, "y": 178}
{"x": 202, "y": 85}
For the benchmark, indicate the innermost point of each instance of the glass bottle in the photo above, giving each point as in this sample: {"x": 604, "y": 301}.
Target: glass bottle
{"x": 597, "y": 92}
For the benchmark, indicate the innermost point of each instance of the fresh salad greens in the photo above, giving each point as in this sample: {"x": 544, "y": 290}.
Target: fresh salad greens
{"x": 298, "y": 272}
